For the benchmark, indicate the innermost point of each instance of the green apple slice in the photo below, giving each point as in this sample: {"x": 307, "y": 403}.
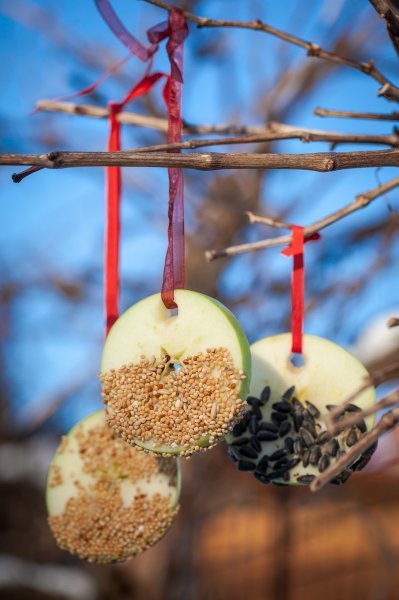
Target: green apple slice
{"x": 106, "y": 500}
{"x": 282, "y": 438}
{"x": 175, "y": 384}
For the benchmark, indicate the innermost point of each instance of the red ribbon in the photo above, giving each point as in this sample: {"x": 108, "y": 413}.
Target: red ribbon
{"x": 295, "y": 249}
{"x": 173, "y": 273}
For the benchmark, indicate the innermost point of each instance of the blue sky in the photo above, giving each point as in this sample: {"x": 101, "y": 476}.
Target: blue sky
{"x": 52, "y": 223}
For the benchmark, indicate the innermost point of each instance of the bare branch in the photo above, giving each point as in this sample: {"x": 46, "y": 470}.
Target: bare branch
{"x": 390, "y": 13}
{"x": 361, "y": 201}
{"x": 393, "y": 322}
{"x": 335, "y": 424}
{"x": 388, "y": 89}
{"x": 267, "y": 221}
{"x": 321, "y": 162}
{"x": 349, "y": 114}
{"x": 253, "y": 133}
{"x": 387, "y": 422}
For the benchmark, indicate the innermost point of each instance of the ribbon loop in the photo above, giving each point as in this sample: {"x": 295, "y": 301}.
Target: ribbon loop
{"x": 295, "y": 249}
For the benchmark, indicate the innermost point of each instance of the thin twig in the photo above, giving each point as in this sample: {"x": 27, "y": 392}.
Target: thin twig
{"x": 333, "y": 422}
{"x": 361, "y": 201}
{"x": 350, "y": 114}
{"x": 248, "y": 133}
{"x": 388, "y": 89}
{"x": 393, "y": 322}
{"x": 266, "y": 221}
{"x": 387, "y": 422}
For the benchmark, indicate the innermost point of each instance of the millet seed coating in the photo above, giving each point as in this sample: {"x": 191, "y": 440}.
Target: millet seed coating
{"x": 96, "y": 525}
{"x": 151, "y": 401}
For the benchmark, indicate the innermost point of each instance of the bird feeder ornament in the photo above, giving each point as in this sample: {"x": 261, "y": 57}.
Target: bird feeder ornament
{"x": 282, "y": 437}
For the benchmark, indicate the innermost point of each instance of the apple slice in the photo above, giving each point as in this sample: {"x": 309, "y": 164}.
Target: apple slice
{"x": 283, "y": 438}
{"x": 107, "y": 501}
{"x": 175, "y": 384}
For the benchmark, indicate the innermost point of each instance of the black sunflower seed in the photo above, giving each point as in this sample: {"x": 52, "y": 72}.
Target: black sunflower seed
{"x": 262, "y": 465}
{"x": 288, "y": 393}
{"x": 293, "y": 463}
{"x": 314, "y": 455}
{"x": 344, "y": 476}
{"x": 352, "y": 438}
{"x": 262, "y": 478}
{"x": 306, "y": 437}
{"x": 248, "y": 451}
{"x": 286, "y": 476}
{"x": 284, "y": 428}
{"x": 297, "y": 418}
{"x": 240, "y": 441}
{"x": 278, "y": 454}
{"x": 239, "y": 429}
{"x": 284, "y": 407}
{"x": 308, "y": 416}
{"x": 352, "y": 408}
{"x": 324, "y": 463}
{"x": 309, "y": 427}
{"x": 275, "y": 474}
{"x": 234, "y": 453}
{"x": 278, "y": 417}
{"x": 253, "y": 424}
{"x": 332, "y": 447}
{"x": 323, "y": 437}
{"x": 306, "y": 479}
{"x": 253, "y": 401}
{"x": 331, "y": 406}
{"x": 361, "y": 425}
{"x": 265, "y": 395}
{"x": 279, "y": 464}
{"x": 256, "y": 412}
{"x": 314, "y": 411}
{"x": 371, "y": 449}
{"x": 264, "y": 426}
{"x": 297, "y": 404}
{"x": 362, "y": 462}
{"x": 266, "y": 436}
{"x": 298, "y": 446}
{"x": 305, "y": 458}
{"x": 289, "y": 444}
{"x": 246, "y": 465}
{"x": 255, "y": 443}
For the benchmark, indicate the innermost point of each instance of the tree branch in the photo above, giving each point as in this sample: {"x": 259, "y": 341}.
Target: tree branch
{"x": 387, "y": 422}
{"x": 349, "y": 114}
{"x": 361, "y": 201}
{"x": 253, "y": 133}
{"x": 388, "y": 89}
{"x": 335, "y": 424}
{"x": 322, "y": 161}
{"x": 390, "y": 13}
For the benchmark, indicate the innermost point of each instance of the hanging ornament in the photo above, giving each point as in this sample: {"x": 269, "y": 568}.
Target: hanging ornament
{"x": 175, "y": 384}
{"x": 282, "y": 437}
{"x": 106, "y": 500}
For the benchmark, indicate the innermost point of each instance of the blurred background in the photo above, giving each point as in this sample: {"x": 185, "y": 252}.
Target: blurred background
{"x": 233, "y": 538}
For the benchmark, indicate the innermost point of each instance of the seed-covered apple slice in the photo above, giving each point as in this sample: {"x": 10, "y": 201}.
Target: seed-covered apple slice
{"x": 282, "y": 438}
{"x": 175, "y": 384}
{"x": 107, "y": 501}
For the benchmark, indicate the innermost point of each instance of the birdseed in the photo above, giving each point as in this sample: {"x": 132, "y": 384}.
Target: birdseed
{"x": 153, "y": 403}
{"x": 96, "y": 524}
{"x": 310, "y": 445}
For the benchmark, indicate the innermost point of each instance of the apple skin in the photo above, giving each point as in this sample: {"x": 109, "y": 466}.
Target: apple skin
{"x": 241, "y": 356}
